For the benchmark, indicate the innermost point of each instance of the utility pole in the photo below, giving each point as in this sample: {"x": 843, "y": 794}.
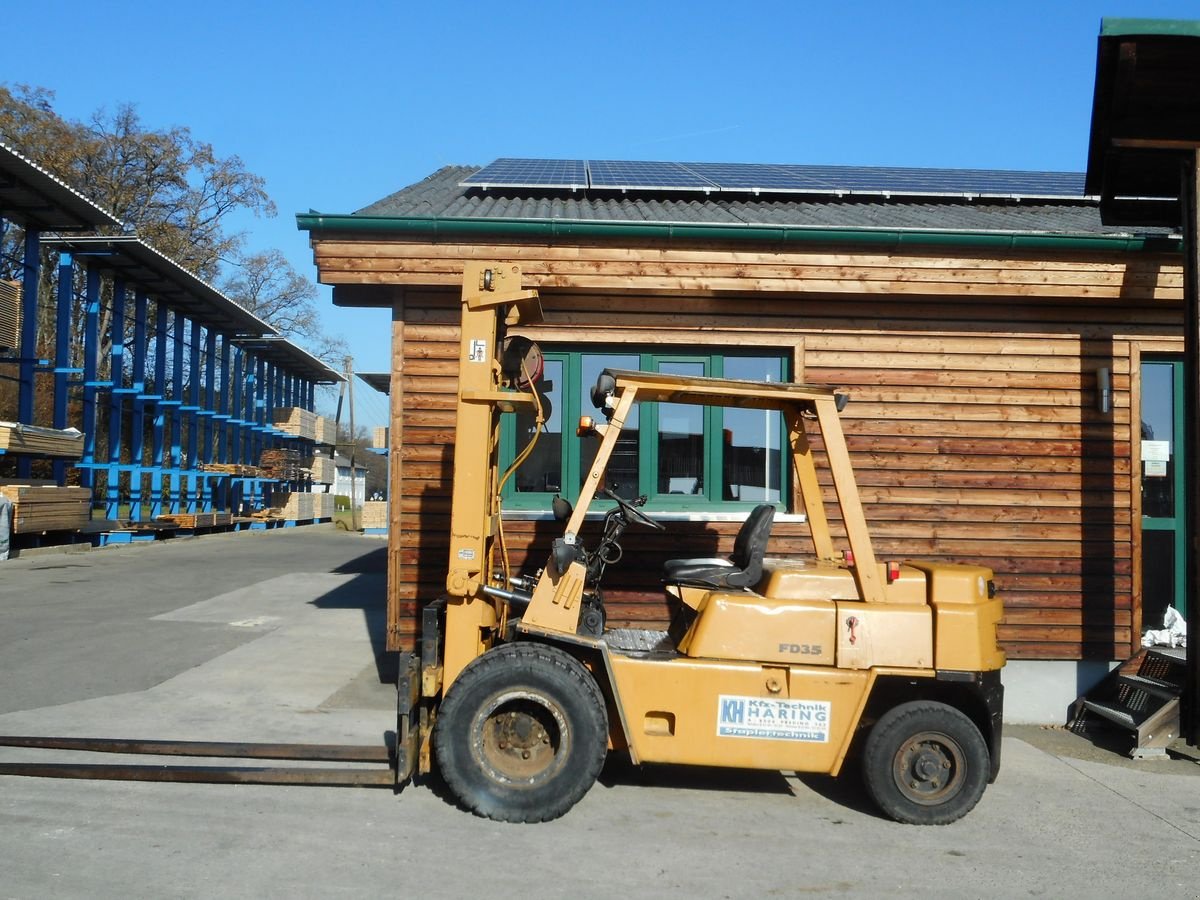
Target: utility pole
{"x": 353, "y": 443}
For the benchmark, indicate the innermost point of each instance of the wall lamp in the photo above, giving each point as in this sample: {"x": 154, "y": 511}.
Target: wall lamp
{"x": 1104, "y": 390}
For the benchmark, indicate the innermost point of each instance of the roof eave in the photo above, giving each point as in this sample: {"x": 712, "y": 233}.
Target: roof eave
{"x": 436, "y": 227}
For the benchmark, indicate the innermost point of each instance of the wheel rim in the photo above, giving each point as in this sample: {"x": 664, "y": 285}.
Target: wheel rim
{"x": 520, "y": 739}
{"x": 929, "y": 768}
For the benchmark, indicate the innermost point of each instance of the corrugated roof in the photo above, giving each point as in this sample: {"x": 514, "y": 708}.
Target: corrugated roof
{"x": 139, "y": 264}
{"x": 31, "y": 195}
{"x": 440, "y": 196}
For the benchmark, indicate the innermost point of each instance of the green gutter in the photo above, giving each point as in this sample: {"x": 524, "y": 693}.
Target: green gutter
{"x": 1149, "y": 28}
{"x": 783, "y": 234}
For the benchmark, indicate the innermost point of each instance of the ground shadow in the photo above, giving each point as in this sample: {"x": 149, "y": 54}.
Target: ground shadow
{"x": 619, "y": 770}
{"x": 366, "y": 591}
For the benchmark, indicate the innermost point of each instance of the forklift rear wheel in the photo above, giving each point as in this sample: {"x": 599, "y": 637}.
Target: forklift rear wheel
{"x": 925, "y": 763}
{"x": 522, "y": 734}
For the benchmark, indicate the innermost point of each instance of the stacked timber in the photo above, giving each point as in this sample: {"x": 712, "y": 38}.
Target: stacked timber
{"x": 375, "y": 514}
{"x": 10, "y": 314}
{"x": 38, "y": 441}
{"x": 296, "y": 421}
{"x": 39, "y": 508}
{"x": 196, "y": 520}
{"x": 283, "y": 465}
{"x": 298, "y": 506}
{"x": 321, "y": 469}
{"x": 326, "y": 431}
{"x": 235, "y": 469}
{"x": 189, "y": 520}
{"x": 379, "y": 438}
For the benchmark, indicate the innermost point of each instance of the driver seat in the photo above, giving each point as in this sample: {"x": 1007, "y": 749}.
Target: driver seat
{"x": 742, "y": 570}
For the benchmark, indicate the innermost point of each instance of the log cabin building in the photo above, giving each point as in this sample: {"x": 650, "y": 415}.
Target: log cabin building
{"x": 1014, "y": 369}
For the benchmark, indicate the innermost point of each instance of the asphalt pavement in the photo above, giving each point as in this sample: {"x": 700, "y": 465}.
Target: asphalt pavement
{"x": 277, "y": 636}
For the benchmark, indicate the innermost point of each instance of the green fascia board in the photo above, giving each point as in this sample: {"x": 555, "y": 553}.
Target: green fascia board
{"x": 1165, "y": 27}
{"x": 563, "y": 228}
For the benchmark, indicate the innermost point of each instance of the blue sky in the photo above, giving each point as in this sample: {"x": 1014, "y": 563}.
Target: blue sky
{"x": 339, "y": 104}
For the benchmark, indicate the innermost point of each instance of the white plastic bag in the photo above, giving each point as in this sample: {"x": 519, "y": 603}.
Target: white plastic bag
{"x": 1172, "y": 634}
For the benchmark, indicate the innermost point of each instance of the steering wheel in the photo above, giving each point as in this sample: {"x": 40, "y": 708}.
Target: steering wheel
{"x": 632, "y": 512}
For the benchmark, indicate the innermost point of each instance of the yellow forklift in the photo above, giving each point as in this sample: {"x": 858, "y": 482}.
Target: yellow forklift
{"x": 519, "y": 691}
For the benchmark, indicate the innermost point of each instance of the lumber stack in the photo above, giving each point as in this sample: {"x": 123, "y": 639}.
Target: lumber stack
{"x": 322, "y": 469}
{"x": 326, "y": 431}
{"x": 300, "y": 506}
{"x": 303, "y": 423}
{"x": 41, "y": 508}
{"x": 281, "y": 464}
{"x": 236, "y": 469}
{"x": 38, "y": 441}
{"x": 196, "y": 520}
{"x": 379, "y": 438}
{"x": 375, "y": 514}
{"x": 296, "y": 421}
{"x": 10, "y": 314}
{"x": 189, "y": 520}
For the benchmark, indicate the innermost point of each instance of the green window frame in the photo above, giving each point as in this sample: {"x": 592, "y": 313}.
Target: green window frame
{"x": 705, "y": 436}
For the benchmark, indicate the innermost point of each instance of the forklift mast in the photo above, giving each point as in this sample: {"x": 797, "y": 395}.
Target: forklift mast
{"x": 492, "y": 301}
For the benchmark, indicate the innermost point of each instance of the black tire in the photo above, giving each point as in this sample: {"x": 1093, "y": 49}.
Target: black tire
{"x": 925, "y": 763}
{"x": 522, "y": 733}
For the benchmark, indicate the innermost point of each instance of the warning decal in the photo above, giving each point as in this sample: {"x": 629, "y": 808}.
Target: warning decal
{"x": 773, "y": 720}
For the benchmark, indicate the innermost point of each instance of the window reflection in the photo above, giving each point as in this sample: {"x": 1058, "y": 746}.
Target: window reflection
{"x": 622, "y": 474}
{"x": 751, "y": 438}
{"x": 542, "y": 471}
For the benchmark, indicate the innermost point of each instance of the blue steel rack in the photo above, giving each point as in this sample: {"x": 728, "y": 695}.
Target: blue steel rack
{"x": 194, "y": 376}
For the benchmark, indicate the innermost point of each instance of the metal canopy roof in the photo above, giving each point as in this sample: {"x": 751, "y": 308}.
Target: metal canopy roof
{"x": 380, "y": 381}
{"x": 135, "y": 261}
{"x": 31, "y": 195}
{"x": 140, "y": 265}
{"x": 291, "y": 358}
{"x": 1145, "y": 111}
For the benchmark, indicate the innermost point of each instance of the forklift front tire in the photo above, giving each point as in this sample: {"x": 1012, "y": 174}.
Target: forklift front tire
{"x": 925, "y": 763}
{"x": 522, "y": 734}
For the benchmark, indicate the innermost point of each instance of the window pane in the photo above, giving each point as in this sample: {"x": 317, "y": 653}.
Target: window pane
{"x": 680, "y": 439}
{"x": 621, "y": 476}
{"x": 1158, "y": 435}
{"x": 752, "y": 436}
{"x": 542, "y": 472}
{"x": 1158, "y": 576}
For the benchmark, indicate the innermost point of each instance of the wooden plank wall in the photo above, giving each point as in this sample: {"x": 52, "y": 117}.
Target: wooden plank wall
{"x": 973, "y": 429}
{"x": 973, "y": 425}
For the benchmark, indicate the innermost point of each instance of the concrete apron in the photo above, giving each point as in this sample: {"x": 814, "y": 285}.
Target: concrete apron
{"x": 272, "y": 689}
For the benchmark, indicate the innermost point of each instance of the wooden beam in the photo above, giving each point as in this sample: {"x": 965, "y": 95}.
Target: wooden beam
{"x": 1190, "y": 197}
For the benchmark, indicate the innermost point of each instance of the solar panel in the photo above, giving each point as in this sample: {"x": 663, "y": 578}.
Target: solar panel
{"x": 629, "y": 175}
{"x": 762, "y": 177}
{"x": 541, "y": 173}
{"x": 633, "y": 175}
{"x": 953, "y": 182}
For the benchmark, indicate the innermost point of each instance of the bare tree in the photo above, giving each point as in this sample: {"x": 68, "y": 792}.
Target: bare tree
{"x": 176, "y": 192}
{"x": 267, "y": 285}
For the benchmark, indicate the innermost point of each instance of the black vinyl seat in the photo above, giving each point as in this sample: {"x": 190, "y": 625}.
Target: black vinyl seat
{"x": 742, "y": 570}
